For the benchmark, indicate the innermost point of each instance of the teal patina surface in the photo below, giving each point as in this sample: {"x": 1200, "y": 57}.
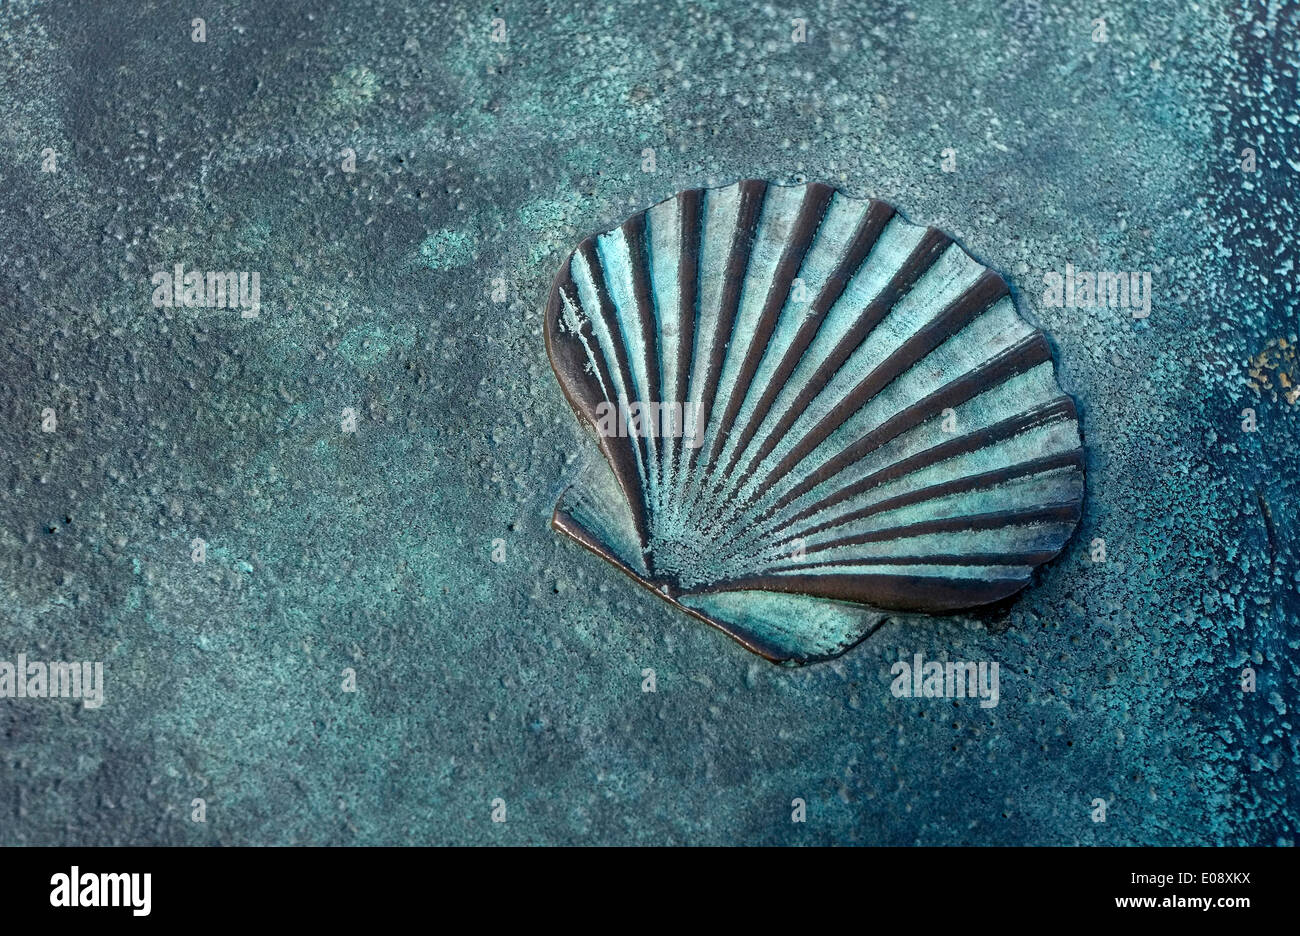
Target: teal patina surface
{"x": 406, "y": 187}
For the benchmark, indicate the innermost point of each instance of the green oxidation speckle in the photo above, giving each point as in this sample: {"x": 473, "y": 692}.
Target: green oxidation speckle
{"x": 352, "y": 89}
{"x": 447, "y": 249}
{"x": 369, "y": 343}
{"x": 549, "y": 224}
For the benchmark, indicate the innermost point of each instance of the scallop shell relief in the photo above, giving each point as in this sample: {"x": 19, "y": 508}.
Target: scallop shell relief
{"x": 812, "y": 413}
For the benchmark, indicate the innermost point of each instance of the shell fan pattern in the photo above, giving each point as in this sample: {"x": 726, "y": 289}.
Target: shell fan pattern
{"x": 812, "y": 413}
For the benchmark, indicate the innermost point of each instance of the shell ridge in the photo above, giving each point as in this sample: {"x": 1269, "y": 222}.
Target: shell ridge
{"x": 982, "y": 479}
{"x": 863, "y": 240}
{"x": 810, "y": 385}
{"x": 968, "y": 387}
{"x": 580, "y": 328}
{"x": 909, "y": 353}
{"x": 752, "y": 196}
{"x": 1066, "y": 512}
{"x": 808, "y": 225}
{"x": 785, "y": 325}
{"x": 773, "y": 510}
{"x": 615, "y": 285}
{"x": 1050, "y": 488}
{"x": 872, "y": 390}
{"x": 674, "y": 301}
{"x": 897, "y": 590}
{"x": 616, "y": 366}
{"x": 930, "y": 245}
{"x": 647, "y": 426}
{"x": 1057, "y": 476}
{"x": 665, "y": 336}
{"x": 717, "y": 208}
{"x": 586, "y": 381}
{"x": 759, "y": 248}
{"x": 902, "y": 342}
{"x": 725, "y": 216}
{"x": 691, "y": 220}
{"x": 948, "y": 525}
{"x": 957, "y": 392}
{"x": 818, "y": 365}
